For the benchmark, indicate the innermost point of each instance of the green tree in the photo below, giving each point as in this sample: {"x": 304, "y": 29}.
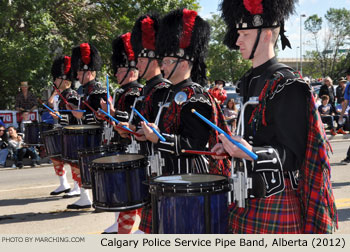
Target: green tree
{"x": 34, "y": 32}
{"x": 331, "y": 58}
{"x": 222, "y": 62}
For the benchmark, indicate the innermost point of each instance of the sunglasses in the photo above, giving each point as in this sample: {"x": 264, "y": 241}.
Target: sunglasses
{"x": 168, "y": 62}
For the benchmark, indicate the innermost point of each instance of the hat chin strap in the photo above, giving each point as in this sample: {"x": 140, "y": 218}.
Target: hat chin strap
{"x": 172, "y": 72}
{"x": 60, "y": 84}
{"x": 82, "y": 80}
{"x": 126, "y": 74}
{"x": 146, "y": 69}
{"x": 255, "y": 44}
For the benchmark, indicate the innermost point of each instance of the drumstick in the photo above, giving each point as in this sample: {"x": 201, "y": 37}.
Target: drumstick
{"x": 95, "y": 112}
{"x": 238, "y": 144}
{"x": 205, "y": 153}
{"x": 110, "y": 122}
{"x": 123, "y": 127}
{"x": 42, "y": 103}
{"x": 145, "y": 120}
{"x": 64, "y": 99}
{"x": 70, "y": 110}
{"x": 108, "y": 108}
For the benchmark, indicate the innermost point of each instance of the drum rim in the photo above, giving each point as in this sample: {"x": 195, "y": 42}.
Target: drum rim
{"x": 123, "y": 165}
{"x": 90, "y": 127}
{"x": 190, "y": 189}
{"x": 101, "y": 148}
{"x": 152, "y": 182}
{"x": 50, "y": 131}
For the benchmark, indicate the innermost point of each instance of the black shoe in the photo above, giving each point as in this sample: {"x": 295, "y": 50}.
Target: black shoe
{"x": 59, "y": 192}
{"x": 20, "y": 166}
{"x": 67, "y": 196}
{"x": 346, "y": 160}
{"x": 109, "y": 233}
{"x": 77, "y": 207}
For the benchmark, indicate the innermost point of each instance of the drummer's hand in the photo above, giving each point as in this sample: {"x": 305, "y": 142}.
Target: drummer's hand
{"x": 122, "y": 133}
{"x": 142, "y": 137}
{"x": 233, "y": 150}
{"x": 99, "y": 116}
{"x": 150, "y": 135}
{"x": 54, "y": 115}
{"x": 71, "y": 106}
{"x": 218, "y": 149}
{"x": 103, "y": 105}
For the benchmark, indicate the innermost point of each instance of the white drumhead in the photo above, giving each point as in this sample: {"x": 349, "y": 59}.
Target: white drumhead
{"x": 117, "y": 159}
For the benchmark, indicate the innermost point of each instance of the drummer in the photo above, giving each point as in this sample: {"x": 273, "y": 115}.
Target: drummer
{"x": 143, "y": 40}
{"x": 62, "y": 75}
{"x": 183, "y": 49}
{"x": 291, "y": 146}
{"x": 124, "y": 66}
{"x": 86, "y": 61}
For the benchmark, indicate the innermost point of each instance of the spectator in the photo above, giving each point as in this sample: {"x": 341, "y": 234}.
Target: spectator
{"x": 327, "y": 111}
{"x": 26, "y": 102}
{"x": 3, "y": 146}
{"x": 345, "y": 105}
{"x": 327, "y": 89}
{"x": 218, "y": 92}
{"x": 342, "y": 125}
{"x": 340, "y": 90}
{"x": 20, "y": 149}
{"x": 231, "y": 113}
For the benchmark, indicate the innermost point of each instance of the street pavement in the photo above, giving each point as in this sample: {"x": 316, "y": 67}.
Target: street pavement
{"x": 27, "y": 208}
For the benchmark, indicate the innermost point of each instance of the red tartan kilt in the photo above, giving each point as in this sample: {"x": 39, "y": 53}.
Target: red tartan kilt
{"x": 278, "y": 214}
{"x": 146, "y": 219}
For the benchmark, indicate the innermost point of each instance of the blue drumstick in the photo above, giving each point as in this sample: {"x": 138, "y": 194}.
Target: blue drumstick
{"x": 145, "y": 120}
{"x": 51, "y": 110}
{"x": 108, "y": 108}
{"x": 115, "y": 120}
{"x": 238, "y": 144}
{"x": 75, "y": 110}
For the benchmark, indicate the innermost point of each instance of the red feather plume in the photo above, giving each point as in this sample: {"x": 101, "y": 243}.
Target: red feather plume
{"x": 127, "y": 45}
{"x": 85, "y": 53}
{"x": 188, "y": 19}
{"x": 148, "y": 33}
{"x": 67, "y": 64}
{"x": 253, "y": 6}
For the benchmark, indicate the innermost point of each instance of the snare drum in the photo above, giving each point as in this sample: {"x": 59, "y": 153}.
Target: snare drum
{"x": 189, "y": 204}
{"x": 33, "y": 130}
{"x": 88, "y": 155}
{"x": 53, "y": 142}
{"x": 117, "y": 182}
{"x": 77, "y": 137}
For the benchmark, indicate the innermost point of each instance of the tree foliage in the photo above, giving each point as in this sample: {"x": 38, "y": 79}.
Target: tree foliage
{"x": 222, "y": 62}
{"x": 332, "y": 56}
{"x": 34, "y": 32}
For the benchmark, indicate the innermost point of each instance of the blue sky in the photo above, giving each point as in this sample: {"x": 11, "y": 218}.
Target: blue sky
{"x": 307, "y": 7}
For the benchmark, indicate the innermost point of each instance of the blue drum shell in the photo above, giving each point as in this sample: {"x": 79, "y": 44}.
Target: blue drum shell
{"x": 86, "y": 156}
{"x": 184, "y": 208}
{"x": 53, "y": 142}
{"x": 33, "y": 131}
{"x": 118, "y": 187}
{"x": 76, "y": 137}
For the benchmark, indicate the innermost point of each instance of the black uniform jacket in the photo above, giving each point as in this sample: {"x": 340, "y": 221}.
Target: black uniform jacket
{"x": 280, "y": 143}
